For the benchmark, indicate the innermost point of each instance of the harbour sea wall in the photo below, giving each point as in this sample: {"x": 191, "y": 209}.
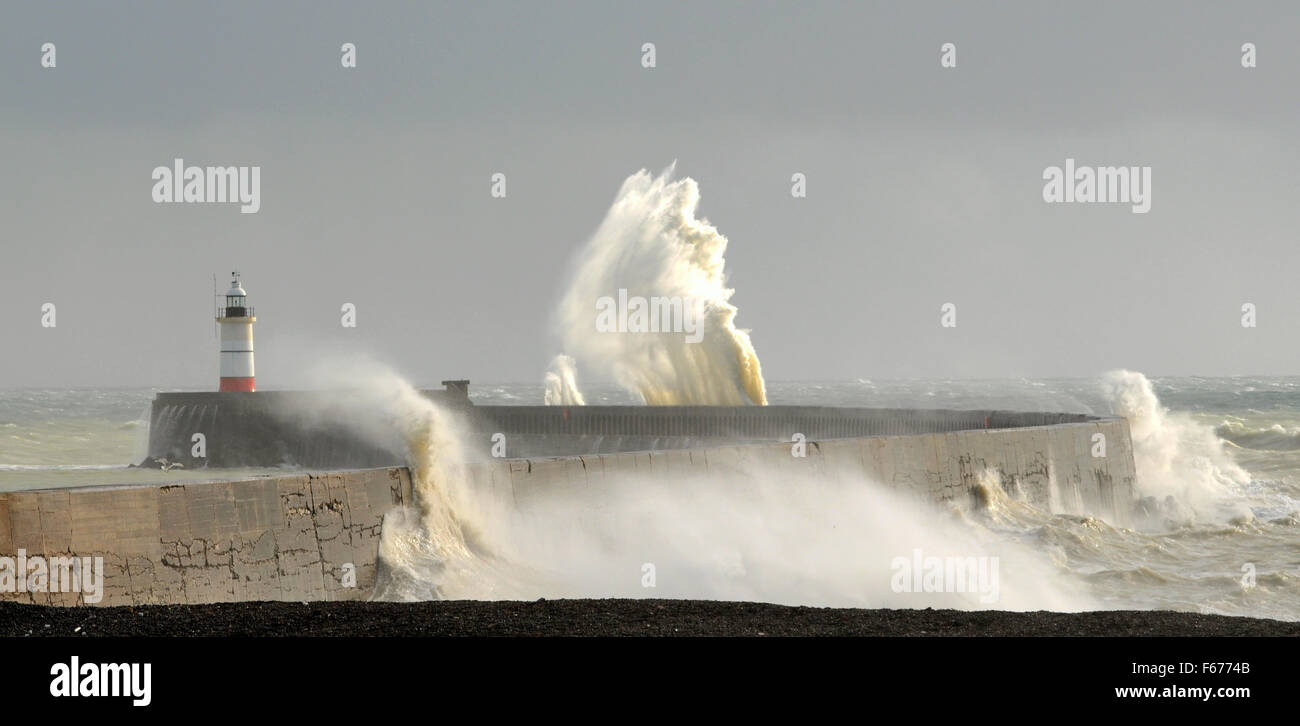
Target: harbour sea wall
{"x": 317, "y": 430}
{"x": 297, "y": 537}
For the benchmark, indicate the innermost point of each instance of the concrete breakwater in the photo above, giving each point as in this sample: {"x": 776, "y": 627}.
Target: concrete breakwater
{"x": 298, "y": 537}
{"x": 1050, "y": 466}
{"x": 317, "y": 430}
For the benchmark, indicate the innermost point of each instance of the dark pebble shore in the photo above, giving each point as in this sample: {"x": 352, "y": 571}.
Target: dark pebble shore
{"x": 600, "y": 618}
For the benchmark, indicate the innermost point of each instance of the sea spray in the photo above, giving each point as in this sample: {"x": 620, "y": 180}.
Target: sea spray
{"x": 423, "y": 548}
{"x": 747, "y": 533}
{"x": 429, "y": 545}
{"x": 1184, "y": 473}
{"x": 651, "y": 246}
{"x": 562, "y": 384}
{"x": 801, "y": 537}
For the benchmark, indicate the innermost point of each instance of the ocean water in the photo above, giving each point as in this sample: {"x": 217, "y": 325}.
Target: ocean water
{"x": 82, "y": 437}
{"x": 1218, "y": 463}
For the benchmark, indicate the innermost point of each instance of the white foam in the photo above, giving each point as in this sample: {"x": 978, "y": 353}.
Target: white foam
{"x": 652, "y": 245}
{"x": 1181, "y": 464}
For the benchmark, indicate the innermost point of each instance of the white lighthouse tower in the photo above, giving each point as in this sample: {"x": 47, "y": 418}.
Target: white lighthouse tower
{"x": 236, "y": 319}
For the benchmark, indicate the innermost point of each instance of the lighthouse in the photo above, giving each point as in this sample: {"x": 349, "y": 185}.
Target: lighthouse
{"x": 236, "y": 319}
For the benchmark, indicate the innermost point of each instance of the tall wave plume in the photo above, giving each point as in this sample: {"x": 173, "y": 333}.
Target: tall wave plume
{"x": 1184, "y": 471}
{"x": 652, "y": 246}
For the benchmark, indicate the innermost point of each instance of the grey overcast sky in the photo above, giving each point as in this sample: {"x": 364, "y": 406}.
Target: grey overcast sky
{"x": 924, "y": 184}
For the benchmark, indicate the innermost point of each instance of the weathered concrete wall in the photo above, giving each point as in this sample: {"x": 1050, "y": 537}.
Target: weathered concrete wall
{"x": 1051, "y": 467}
{"x": 281, "y": 538}
{"x": 288, "y": 538}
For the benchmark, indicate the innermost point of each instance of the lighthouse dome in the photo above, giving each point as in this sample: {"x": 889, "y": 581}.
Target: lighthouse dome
{"x": 235, "y": 289}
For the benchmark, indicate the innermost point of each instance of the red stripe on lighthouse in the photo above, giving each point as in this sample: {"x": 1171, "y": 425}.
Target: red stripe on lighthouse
{"x": 237, "y": 384}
